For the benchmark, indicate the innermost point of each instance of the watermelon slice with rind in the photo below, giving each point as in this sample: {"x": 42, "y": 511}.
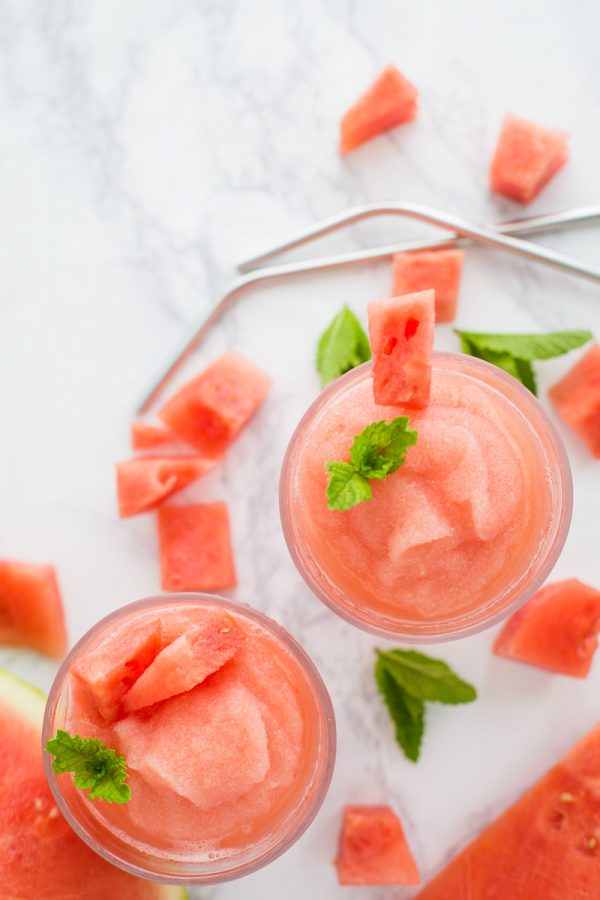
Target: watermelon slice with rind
{"x": 145, "y": 482}
{"x": 41, "y": 856}
{"x": 526, "y": 158}
{"x": 373, "y": 849}
{"x": 391, "y": 100}
{"x": 31, "y": 611}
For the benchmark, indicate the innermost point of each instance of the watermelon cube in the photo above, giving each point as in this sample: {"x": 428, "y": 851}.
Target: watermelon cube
{"x": 210, "y": 411}
{"x": 144, "y": 483}
{"x": 526, "y": 158}
{"x": 197, "y": 653}
{"x": 577, "y": 399}
{"x": 401, "y": 335}
{"x": 373, "y": 849}
{"x": 437, "y": 270}
{"x": 109, "y": 669}
{"x": 556, "y": 630}
{"x": 31, "y": 611}
{"x": 195, "y": 548}
{"x": 390, "y": 101}
{"x": 146, "y": 437}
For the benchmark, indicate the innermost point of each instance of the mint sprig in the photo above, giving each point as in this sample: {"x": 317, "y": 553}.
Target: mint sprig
{"x": 342, "y": 346}
{"x": 515, "y": 352}
{"x": 407, "y": 680}
{"x": 378, "y": 451}
{"x": 97, "y": 769}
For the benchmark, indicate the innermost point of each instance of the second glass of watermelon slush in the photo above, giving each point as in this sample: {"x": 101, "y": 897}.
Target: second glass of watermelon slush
{"x": 226, "y": 727}
{"x": 461, "y": 535}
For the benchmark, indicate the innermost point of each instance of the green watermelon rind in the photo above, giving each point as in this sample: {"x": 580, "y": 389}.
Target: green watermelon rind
{"x": 28, "y": 703}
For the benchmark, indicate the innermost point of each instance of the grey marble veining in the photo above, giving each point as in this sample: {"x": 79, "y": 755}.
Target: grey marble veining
{"x": 148, "y": 145}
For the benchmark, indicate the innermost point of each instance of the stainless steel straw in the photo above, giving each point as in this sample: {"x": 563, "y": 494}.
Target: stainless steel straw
{"x": 461, "y": 232}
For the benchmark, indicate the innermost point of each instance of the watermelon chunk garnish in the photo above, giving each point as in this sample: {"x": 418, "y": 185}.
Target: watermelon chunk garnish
{"x": 544, "y": 847}
{"x": 146, "y": 437}
{"x": 195, "y": 547}
{"x": 437, "y": 270}
{"x": 401, "y": 335}
{"x": 31, "y": 610}
{"x": 391, "y": 100}
{"x": 526, "y": 158}
{"x": 145, "y": 482}
{"x": 577, "y": 399}
{"x": 211, "y": 410}
{"x": 373, "y": 849}
{"x": 197, "y": 653}
{"x": 556, "y": 630}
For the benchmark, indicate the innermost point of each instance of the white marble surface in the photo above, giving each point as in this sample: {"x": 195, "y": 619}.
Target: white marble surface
{"x": 146, "y": 146}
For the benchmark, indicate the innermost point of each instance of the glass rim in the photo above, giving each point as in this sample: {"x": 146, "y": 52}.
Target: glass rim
{"x": 551, "y": 541}
{"x": 321, "y": 784}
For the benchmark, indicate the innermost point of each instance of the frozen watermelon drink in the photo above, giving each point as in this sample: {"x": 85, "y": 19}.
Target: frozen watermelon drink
{"x": 189, "y": 739}
{"x": 461, "y": 534}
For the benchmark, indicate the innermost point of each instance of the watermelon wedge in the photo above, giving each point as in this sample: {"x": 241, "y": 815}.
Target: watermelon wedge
{"x": 144, "y": 483}
{"x": 41, "y": 856}
{"x": 210, "y": 411}
{"x": 390, "y": 101}
{"x": 436, "y": 270}
{"x": 199, "y": 652}
{"x": 556, "y": 630}
{"x": 546, "y": 846}
{"x": 146, "y": 437}
{"x": 577, "y": 399}
{"x": 401, "y": 334}
{"x": 526, "y": 158}
{"x": 195, "y": 548}
{"x": 31, "y": 611}
{"x": 373, "y": 849}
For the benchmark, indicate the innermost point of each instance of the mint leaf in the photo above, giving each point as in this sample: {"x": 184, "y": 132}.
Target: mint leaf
{"x": 97, "y": 769}
{"x": 407, "y": 713}
{"x": 426, "y": 677}
{"x": 346, "y": 487}
{"x": 342, "y": 346}
{"x": 380, "y": 449}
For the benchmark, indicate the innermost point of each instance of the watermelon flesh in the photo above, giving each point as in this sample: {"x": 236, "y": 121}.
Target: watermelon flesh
{"x": 373, "y": 849}
{"x": 146, "y": 437}
{"x": 401, "y": 335}
{"x": 199, "y": 652}
{"x": 544, "y": 847}
{"x": 31, "y": 611}
{"x": 556, "y": 630}
{"x": 391, "y": 100}
{"x": 41, "y": 856}
{"x": 437, "y": 270}
{"x": 144, "y": 483}
{"x": 211, "y": 410}
{"x": 195, "y": 548}
{"x": 526, "y": 158}
{"x": 577, "y": 399}
{"x": 108, "y": 670}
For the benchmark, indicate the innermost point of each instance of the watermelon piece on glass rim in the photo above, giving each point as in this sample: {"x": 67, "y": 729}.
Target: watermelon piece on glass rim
{"x": 373, "y": 849}
{"x": 526, "y": 158}
{"x": 401, "y": 334}
{"x": 391, "y": 100}
{"x": 31, "y": 610}
{"x": 145, "y": 482}
{"x": 437, "y": 270}
{"x": 195, "y": 547}
{"x": 577, "y": 399}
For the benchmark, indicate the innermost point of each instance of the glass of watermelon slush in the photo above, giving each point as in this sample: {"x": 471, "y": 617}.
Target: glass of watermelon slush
{"x": 226, "y": 726}
{"x": 461, "y": 535}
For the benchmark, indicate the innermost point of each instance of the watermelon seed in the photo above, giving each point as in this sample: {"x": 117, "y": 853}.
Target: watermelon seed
{"x": 591, "y": 843}
{"x": 566, "y": 797}
{"x": 38, "y": 803}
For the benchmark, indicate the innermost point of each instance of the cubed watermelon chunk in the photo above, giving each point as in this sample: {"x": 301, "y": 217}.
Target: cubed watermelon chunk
{"x": 556, "y": 630}
{"x": 577, "y": 399}
{"x": 210, "y": 411}
{"x": 401, "y": 335}
{"x": 220, "y": 751}
{"x": 373, "y": 849}
{"x": 437, "y": 270}
{"x": 199, "y": 652}
{"x": 195, "y": 547}
{"x": 526, "y": 158}
{"x": 390, "y": 101}
{"x": 146, "y": 437}
{"x": 31, "y": 611}
{"x": 109, "y": 669}
{"x": 544, "y": 847}
{"x": 144, "y": 483}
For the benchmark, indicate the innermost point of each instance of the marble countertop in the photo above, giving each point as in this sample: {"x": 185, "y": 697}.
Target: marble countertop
{"x": 146, "y": 147}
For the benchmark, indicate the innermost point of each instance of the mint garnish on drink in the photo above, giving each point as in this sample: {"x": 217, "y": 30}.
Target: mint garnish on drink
{"x": 97, "y": 769}
{"x": 342, "y": 346}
